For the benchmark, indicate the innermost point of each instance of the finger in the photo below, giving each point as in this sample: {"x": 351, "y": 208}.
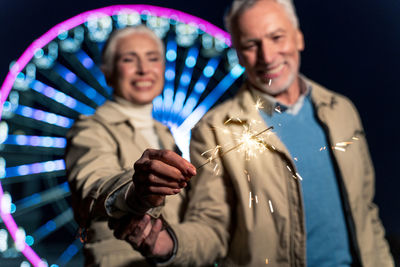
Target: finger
{"x": 130, "y": 225}
{"x": 164, "y": 191}
{"x": 157, "y": 180}
{"x": 138, "y": 235}
{"x": 149, "y": 243}
{"x": 173, "y": 159}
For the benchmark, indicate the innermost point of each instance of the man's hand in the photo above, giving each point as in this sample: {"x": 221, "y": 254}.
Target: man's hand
{"x": 144, "y": 235}
{"x": 158, "y": 173}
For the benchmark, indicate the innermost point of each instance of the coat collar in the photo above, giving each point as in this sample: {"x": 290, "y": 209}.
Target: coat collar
{"x": 109, "y": 114}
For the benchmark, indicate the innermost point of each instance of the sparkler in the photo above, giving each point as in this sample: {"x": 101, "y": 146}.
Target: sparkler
{"x": 246, "y": 142}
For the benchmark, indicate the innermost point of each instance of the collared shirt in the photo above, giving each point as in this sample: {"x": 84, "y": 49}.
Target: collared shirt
{"x": 293, "y": 109}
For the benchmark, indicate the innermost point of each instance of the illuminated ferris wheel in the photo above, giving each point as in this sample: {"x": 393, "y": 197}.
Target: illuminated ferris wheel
{"x": 58, "y": 78}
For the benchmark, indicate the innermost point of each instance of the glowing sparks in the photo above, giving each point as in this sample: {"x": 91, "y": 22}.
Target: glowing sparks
{"x": 343, "y": 144}
{"x": 269, "y": 82}
{"x": 259, "y": 104}
{"x": 270, "y": 206}
{"x": 250, "y": 200}
{"x": 355, "y": 138}
{"x": 322, "y": 148}
{"x": 249, "y": 142}
{"x": 266, "y": 261}
{"x": 287, "y": 166}
{"x": 296, "y": 159}
{"x": 339, "y": 148}
{"x": 299, "y": 176}
{"x": 278, "y": 109}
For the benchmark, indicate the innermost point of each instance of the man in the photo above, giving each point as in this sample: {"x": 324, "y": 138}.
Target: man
{"x": 306, "y": 198}
{"x": 110, "y": 171}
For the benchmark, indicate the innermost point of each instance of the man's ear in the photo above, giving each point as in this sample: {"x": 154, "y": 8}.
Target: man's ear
{"x": 299, "y": 40}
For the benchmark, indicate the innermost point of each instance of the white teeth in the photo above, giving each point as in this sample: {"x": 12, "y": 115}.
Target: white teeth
{"x": 143, "y": 83}
{"x": 276, "y": 69}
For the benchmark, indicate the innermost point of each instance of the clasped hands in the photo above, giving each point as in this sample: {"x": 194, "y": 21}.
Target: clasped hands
{"x": 158, "y": 173}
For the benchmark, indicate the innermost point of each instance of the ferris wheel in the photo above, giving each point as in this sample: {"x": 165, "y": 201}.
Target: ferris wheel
{"x": 58, "y": 78}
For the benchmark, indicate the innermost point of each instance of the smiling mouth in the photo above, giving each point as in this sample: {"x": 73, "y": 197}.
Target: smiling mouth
{"x": 272, "y": 73}
{"x": 143, "y": 85}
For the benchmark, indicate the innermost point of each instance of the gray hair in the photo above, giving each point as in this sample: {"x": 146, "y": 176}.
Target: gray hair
{"x": 238, "y": 7}
{"x": 108, "y": 56}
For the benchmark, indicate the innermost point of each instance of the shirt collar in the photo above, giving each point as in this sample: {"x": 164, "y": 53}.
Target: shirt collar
{"x": 270, "y": 104}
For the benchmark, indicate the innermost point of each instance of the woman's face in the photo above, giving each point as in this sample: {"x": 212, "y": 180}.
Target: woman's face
{"x": 139, "y": 69}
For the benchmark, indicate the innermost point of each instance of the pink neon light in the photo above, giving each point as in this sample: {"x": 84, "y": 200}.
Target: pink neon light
{"x": 73, "y": 22}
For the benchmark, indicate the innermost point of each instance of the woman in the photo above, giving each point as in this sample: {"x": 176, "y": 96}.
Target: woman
{"x": 111, "y": 171}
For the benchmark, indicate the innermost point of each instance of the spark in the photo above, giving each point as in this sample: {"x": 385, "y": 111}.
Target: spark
{"x": 299, "y": 176}
{"x": 269, "y": 82}
{"x": 256, "y": 199}
{"x": 270, "y": 206}
{"x": 287, "y": 166}
{"x": 343, "y": 144}
{"x": 355, "y": 138}
{"x": 250, "y": 200}
{"x": 339, "y": 148}
{"x": 322, "y": 148}
{"x": 278, "y": 109}
{"x": 296, "y": 159}
{"x": 247, "y": 175}
{"x": 266, "y": 261}
{"x": 259, "y": 104}
{"x": 249, "y": 143}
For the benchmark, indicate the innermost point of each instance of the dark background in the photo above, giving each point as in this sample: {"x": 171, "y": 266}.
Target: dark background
{"x": 352, "y": 47}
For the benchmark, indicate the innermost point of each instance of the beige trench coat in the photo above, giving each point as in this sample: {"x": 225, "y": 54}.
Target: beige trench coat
{"x": 100, "y": 155}
{"x": 251, "y": 211}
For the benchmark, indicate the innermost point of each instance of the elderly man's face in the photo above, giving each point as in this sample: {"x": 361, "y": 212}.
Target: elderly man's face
{"x": 268, "y": 47}
{"x": 139, "y": 72}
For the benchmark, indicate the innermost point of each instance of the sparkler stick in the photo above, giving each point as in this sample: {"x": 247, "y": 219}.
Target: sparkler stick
{"x": 211, "y": 159}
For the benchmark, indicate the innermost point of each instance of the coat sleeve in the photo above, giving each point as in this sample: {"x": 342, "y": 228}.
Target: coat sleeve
{"x": 93, "y": 169}
{"x": 203, "y": 236}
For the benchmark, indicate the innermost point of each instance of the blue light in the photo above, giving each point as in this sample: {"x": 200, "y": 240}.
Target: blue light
{"x": 157, "y": 103}
{"x": 171, "y": 50}
{"x": 70, "y": 77}
{"x": 61, "y": 98}
{"x": 72, "y": 250}
{"x": 87, "y": 62}
{"x": 34, "y": 168}
{"x": 39, "y": 53}
{"x": 43, "y": 116}
{"x": 185, "y": 79}
{"x": 50, "y": 226}
{"x": 190, "y": 62}
{"x": 29, "y": 240}
{"x": 169, "y": 75}
{"x": 13, "y": 208}
{"x": 20, "y": 139}
{"x": 63, "y": 35}
{"x": 26, "y": 111}
{"x": 22, "y": 170}
{"x": 78, "y": 83}
{"x": 54, "y": 265}
{"x": 31, "y": 140}
{"x": 211, "y": 98}
{"x": 237, "y": 71}
{"x": 170, "y": 55}
{"x": 208, "y": 71}
{"x": 67, "y": 255}
{"x": 199, "y": 87}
